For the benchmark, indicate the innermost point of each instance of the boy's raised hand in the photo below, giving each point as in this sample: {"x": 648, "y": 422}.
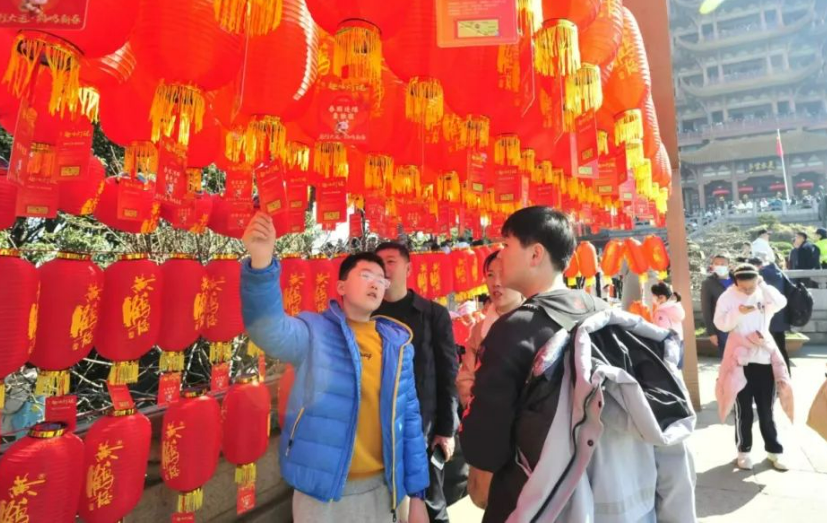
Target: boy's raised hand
{"x": 260, "y": 240}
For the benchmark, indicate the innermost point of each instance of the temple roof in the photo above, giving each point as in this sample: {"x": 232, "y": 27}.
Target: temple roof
{"x": 719, "y": 151}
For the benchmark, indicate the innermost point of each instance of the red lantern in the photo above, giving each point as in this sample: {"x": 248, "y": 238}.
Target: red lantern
{"x": 285, "y": 386}
{"x": 651, "y": 129}
{"x": 246, "y": 417}
{"x": 18, "y": 308}
{"x": 191, "y": 215}
{"x": 205, "y": 145}
{"x": 636, "y": 259}
{"x": 461, "y": 279}
{"x": 108, "y": 25}
{"x": 581, "y": 12}
{"x": 8, "y": 201}
{"x": 81, "y": 197}
{"x": 41, "y": 476}
{"x": 115, "y": 462}
{"x": 323, "y": 278}
{"x": 656, "y": 255}
{"x": 662, "y": 168}
{"x": 71, "y": 292}
{"x": 388, "y": 17}
{"x": 435, "y": 284}
{"x": 447, "y": 274}
{"x": 190, "y": 446}
{"x": 630, "y": 81}
{"x": 600, "y": 40}
{"x": 612, "y": 258}
{"x": 587, "y": 262}
{"x": 130, "y": 317}
{"x": 123, "y": 114}
{"x": 572, "y": 271}
{"x": 641, "y": 310}
{"x": 183, "y": 301}
{"x": 222, "y": 315}
{"x": 110, "y": 70}
{"x": 296, "y": 285}
{"x": 145, "y": 209}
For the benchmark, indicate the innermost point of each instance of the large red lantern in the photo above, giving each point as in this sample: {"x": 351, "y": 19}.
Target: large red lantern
{"x": 324, "y": 276}
{"x": 636, "y": 258}
{"x": 144, "y": 212}
{"x": 190, "y": 446}
{"x": 70, "y": 297}
{"x": 8, "y": 201}
{"x": 388, "y": 17}
{"x": 246, "y": 417}
{"x": 115, "y": 462}
{"x": 656, "y": 255}
{"x": 587, "y": 262}
{"x": 123, "y": 114}
{"x": 18, "y": 308}
{"x": 600, "y": 40}
{"x": 41, "y": 476}
{"x": 81, "y": 197}
{"x": 183, "y": 301}
{"x": 296, "y": 285}
{"x": 461, "y": 272}
{"x": 581, "y": 12}
{"x": 222, "y": 314}
{"x": 612, "y": 258}
{"x": 108, "y": 25}
{"x": 130, "y": 317}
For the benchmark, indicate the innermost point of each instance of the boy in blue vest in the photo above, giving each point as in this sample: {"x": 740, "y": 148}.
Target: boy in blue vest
{"x": 352, "y": 446}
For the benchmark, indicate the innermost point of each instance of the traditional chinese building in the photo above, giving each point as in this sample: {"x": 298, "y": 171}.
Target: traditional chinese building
{"x": 741, "y": 73}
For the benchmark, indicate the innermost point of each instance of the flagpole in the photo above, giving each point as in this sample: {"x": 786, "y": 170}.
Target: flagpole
{"x": 783, "y": 165}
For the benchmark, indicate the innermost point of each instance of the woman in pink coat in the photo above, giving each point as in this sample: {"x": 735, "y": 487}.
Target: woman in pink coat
{"x": 669, "y": 311}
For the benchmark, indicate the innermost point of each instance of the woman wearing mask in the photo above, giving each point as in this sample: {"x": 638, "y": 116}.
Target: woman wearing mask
{"x": 753, "y": 369}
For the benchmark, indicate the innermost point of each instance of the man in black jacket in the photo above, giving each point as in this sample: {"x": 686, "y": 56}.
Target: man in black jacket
{"x": 805, "y": 256}
{"x": 435, "y": 364}
{"x": 539, "y": 242}
{"x": 711, "y": 290}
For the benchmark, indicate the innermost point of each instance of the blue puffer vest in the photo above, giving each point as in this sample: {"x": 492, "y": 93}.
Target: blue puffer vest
{"x": 317, "y": 440}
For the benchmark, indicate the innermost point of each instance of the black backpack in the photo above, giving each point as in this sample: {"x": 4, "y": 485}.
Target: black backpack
{"x": 799, "y": 303}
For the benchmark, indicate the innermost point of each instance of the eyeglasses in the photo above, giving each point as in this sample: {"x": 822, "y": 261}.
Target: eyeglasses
{"x": 371, "y": 277}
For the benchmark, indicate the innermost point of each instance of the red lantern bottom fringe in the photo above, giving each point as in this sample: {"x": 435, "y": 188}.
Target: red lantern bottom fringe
{"x": 52, "y": 383}
{"x": 190, "y": 501}
{"x": 171, "y": 361}
{"x": 124, "y": 372}
{"x": 221, "y": 352}
{"x": 245, "y": 474}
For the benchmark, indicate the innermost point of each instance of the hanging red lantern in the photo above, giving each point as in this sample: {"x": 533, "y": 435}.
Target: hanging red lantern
{"x": 636, "y": 258}
{"x": 662, "y": 168}
{"x": 612, "y": 258}
{"x": 123, "y": 115}
{"x": 71, "y": 292}
{"x": 288, "y": 377}
{"x": 130, "y": 317}
{"x": 81, "y": 197}
{"x": 651, "y": 129}
{"x": 41, "y": 476}
{"x": 639, "y": 309}
{"x": 435, "y": 284}
{"x": 109, "y": 70}
{"x": 329, "y": 14}
{"x": 8, "y": 201}
{"x": 296, "y": 285}
{"x": 107, "y": 27}
{"x": 246, "y": 418}
{"x": 164, "y": 32}
{"x": 205, "y": 145}
{"x": 572, "y": 271}
{"x": 183, "y": 302}
{"x": 581, "y": 12}
{"x": 600, "y": 40}
{"x": 115, "y": 462}
{"x": 190, "y": 446}
{"x": 222, "y": 314}
{"x": 324, "y": 276}
{"x": 21, "y": 286}
{"x": 587, "y": 262}
{"x": 656, "y": 255}
{"x": 144, "y": 212}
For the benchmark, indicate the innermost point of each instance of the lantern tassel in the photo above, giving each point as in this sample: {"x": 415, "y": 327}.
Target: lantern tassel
{"x": 52, "y": 383}
{"x": 234, "y": 145}
{"x": 245, "y": 474}
{"x": 424, "y": 102}
{"x": 357, "y": 55}
{"x": 65, "y": 68}
{"x": 255, "y": 17}
{"x": 528, "y": 160}
{"x": 171, "y": 361}
{"x": 330, "y": 159}
{"x": 140, "y": 157}
{"x": 2, "y": 394}
{"x": 176, "y": 103}
{"x": 89, "y": 103}
{"x": 124, "y": 372}
{"x": 629, "y": 127}
{"x": 253, "y": 350}
{"x": 298, "y": 156}
{"x": 634, "y": 154}
{"x": 221, "y": 352}
{"x": 507, "y": 150}
{"x": 589, "y": 88}
{"x": 378, "y": 171}
{"x": 25, "y": 55}
{"x": 265, "y": 139}
{"x": 602, "y": 143}
{"x": 557, "y": 49}
{"x": 190, "y": 501}
{"x": 508, "y": 67}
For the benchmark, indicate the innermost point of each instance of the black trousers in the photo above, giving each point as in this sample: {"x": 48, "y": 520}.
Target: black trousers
{"x": 781, "y": 341}
{"x": 435, "y": 495}
{"x": 760, "y": 389}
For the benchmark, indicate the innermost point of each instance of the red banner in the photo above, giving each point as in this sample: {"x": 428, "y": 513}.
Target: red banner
{"x": 68, "y": 15}
{"x": 72, "y": 151}
{"x": 63, "y": 409}
{"x": 22, "y": 145}
{"x": 508, "y": 187}
{"x": 472, "y": 23}
{"x": 477, "y": 170}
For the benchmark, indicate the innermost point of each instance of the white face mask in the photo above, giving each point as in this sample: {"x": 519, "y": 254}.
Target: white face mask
{"x": 721, "y": 270}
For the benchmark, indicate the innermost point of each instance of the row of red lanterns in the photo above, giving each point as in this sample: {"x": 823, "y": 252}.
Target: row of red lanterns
{"x": 651, "y": 254}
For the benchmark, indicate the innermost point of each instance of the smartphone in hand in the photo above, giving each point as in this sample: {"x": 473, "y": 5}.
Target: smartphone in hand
{"x": 438, "y": 457}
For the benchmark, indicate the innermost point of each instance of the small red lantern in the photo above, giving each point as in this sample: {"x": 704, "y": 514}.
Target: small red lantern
{"x": 130, "y": 317}
{"x": 432, "y": 261}
{"x": 144, "y": 213}
{"x": 71, "y": 292}
{"x": 656, "y": 255}
{"x": 587, "y": 262}
{"x": 246, "y": 416}
{"x": 475, "y": 275}
{"x": 115, "y": 462}
{"x": 459, "y": 263}
{"x": 636, "y": 259}
{"x": 190, "y": 446}
{"x": 612, "y": 258}
{"x": 183, "y": 301}
{"x": 18, "y": 308}
{"x": 222, "y": 315}
{"x": 447, "y": 273}
{"x": 296, "y": 285}
{"x": 41, "y": 476}
{"x": 323, "y": 277}
{"x": 8, "y": 201}
{"x": 572, "y": 271}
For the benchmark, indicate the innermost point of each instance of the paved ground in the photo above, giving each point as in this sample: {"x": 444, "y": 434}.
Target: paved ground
{"x": 725, "y": 494}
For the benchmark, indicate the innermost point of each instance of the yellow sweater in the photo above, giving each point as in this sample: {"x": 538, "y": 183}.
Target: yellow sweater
{"x": 367, "y": 451}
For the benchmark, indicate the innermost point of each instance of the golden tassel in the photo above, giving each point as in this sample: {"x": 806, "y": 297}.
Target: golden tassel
{"x": 245, "y": 474}
{"x": 378, "y": 171}
{"x": 254, "y": 17}
{"x": 123, "y": 372}
{"x": 602, "y": 143}
{"x": 64, "y": 64}
{"x": 234, "y": 145}
{"x": 265, "y": 139}
{"x": 194, "y": 180}
{"x": 424, "y": 102}
{"x": 477, "y": 132}
{"x": 528, "y": 160}
{"x": 407, "y": 181}
{"x": 171, "y": 361}
{"x": 634, "y": 154}
{"x": 173, "y": 104}
{"x": 557, "y": 52}
{"x": 89, "y": 103}
{"x": 52, "y": 383}
{"x": 298, "y": 156}
{"x": 507, "y": 150}
{"x": 221, "y": 352}
{"x": 527, "y": 18}
{"x": 330, "y": 159}
{"x": 547, "y": 170}
{"x": 358, "y": 53}
{"x": 190, "y": 501}
{"x": 643, "y": 171}
{"x": 629, "y": 127}
{"x": 25, "y": 55}
{"x": 589, "y": 88}
{"x": 141, "y": 157}
{"x": 2, "y": 394}
{"x": 253, "y": 350}
{"x": 508, "y": 67}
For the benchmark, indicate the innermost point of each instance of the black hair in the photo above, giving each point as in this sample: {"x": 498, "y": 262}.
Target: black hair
{"x": 489, "y": 260}
{"x": 721, "y": 256}
{"x": 398, "y": 247}
{"x": 745, "y": 272}
{"x": 662, "y": 288}
{"x": 550, "y": 228}
{"x": 758, "y": 262}
{"x": 762, "y": 232}
{"x": 802, "y": 234}
{"x": 353, "y": 260}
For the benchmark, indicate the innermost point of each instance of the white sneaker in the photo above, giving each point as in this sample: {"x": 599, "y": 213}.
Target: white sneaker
{"x": 744, "y": 461}
{"x": 778, "y": 462}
